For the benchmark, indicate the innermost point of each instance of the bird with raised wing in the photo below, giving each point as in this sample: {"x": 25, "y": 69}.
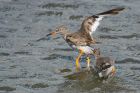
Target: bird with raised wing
{"x": 82, "y": 39}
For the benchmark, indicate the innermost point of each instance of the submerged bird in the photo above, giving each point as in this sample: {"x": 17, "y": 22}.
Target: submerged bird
{"x": 82, "y": 39}
{"x": 104, "y": 66}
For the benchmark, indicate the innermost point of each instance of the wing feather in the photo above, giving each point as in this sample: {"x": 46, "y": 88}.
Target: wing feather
{"x": 96, "y": 24}
{"x": 79, "y": 39}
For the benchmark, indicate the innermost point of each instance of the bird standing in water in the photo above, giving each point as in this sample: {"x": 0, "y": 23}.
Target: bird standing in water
{"x": 82, "y": 39}
{"x": 104, "y": 66}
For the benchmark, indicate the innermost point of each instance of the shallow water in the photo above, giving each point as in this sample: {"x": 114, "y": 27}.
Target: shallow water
{"x": 29, "y": 65}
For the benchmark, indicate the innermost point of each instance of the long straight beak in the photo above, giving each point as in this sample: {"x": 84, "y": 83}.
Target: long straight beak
{"x": 47, "y": 37}
{"x": 52, "y": 34}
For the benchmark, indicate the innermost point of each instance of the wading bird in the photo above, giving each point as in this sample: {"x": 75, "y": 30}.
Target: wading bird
{"x": 82, "y": 39}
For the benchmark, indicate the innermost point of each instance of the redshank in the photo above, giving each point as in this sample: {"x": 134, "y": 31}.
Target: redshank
{"x": 82, "y": 39}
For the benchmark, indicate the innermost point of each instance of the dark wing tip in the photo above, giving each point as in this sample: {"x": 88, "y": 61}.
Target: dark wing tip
{"x": 95, "y": 16}
{"x": 112, "y": 11}
{"x": 117, "y": 9}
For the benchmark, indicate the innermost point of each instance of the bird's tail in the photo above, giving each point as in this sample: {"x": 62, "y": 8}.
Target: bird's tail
{"x": 111, "y": 12}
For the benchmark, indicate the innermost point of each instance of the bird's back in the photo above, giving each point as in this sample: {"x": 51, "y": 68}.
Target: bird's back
{"x": 104, "y": 60}
{"x": 79, "y": 39}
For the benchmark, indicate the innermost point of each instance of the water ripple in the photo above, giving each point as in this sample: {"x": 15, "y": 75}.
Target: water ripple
{"x": 7, "y": 88}
{"x": 135, "y": 68}
{"x": 4, "y": 54}
{"x": 128, "y": 60}
{"x": 63, "y": 49}
{"x": 6, "y": 8}
{"x": 134, "y": 35}
{"x": 3, "y": 36}
{"x": 50, "y": 13}
{"x": 7, "y": 29}
{"x": 106, "y": 29}
{"x": 108, "y": 37}
{"x": 73, "y": 17}
{"x": 22, "y": 53}
{"x": 134, "y": 47}
{"x": 55, "y": 56}
{"x": 59, "y": 5}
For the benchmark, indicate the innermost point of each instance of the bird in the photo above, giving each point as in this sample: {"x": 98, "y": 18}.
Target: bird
{"x": 82, "y": 39}
{"x": 104, "y": 66}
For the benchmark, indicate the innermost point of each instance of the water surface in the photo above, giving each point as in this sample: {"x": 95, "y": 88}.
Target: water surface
{"x": 29, "y": 65}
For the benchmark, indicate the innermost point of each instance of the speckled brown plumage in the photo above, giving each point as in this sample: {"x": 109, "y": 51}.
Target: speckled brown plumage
{"x": 82, "y": 39}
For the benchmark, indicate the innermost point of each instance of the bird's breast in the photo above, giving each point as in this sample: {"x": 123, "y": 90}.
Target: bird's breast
{"x": 86, "y": 49}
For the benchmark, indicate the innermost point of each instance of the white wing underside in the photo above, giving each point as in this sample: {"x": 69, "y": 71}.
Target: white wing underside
{"x": 96, "y": 24}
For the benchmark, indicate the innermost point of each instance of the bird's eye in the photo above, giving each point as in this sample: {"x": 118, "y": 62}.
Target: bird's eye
{"x": 57, "y": 29}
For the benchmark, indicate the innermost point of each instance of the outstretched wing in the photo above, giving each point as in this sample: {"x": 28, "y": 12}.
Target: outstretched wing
{"x": 112, "y": 11}
{"x": 96, "y": 23}
{"x": 91, "y": 23}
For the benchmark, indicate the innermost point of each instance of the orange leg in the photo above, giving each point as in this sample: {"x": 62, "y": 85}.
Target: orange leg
{"x": 77, "y": 60}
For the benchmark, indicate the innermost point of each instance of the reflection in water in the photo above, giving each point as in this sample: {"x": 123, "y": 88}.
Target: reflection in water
{"x": 88, "y": 81}
{"x": 80, "y": 75}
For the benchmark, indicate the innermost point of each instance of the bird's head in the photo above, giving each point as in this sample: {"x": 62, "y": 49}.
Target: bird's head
{"x": 105, "y": 67}
{"x": 59, "y": 30}
{"x": 107, "y": 71}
